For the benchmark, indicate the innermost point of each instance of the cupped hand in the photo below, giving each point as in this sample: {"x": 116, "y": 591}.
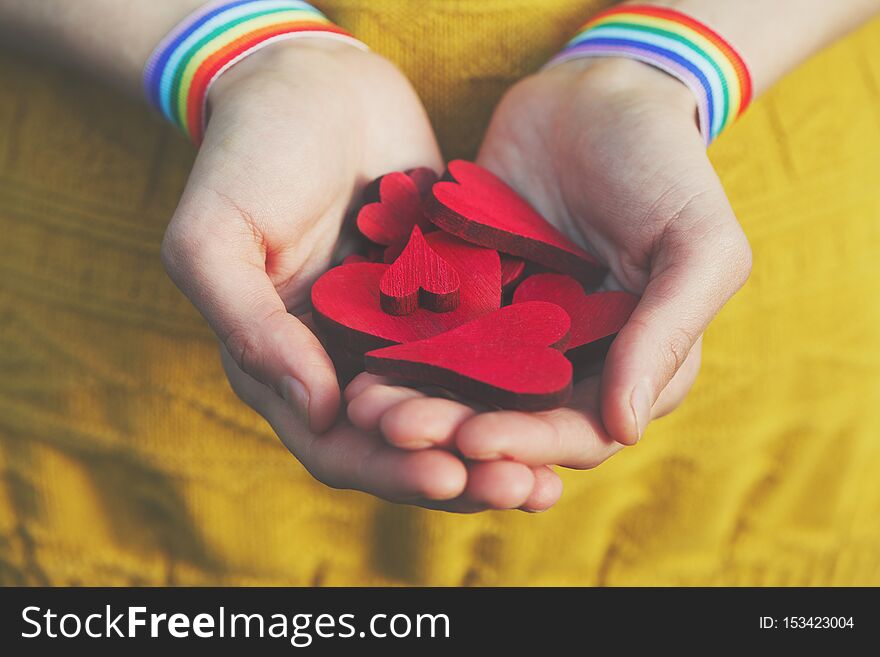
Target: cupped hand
{"x": 347, "y": 457}
{"x": 295, "y": 131}
{"x": 609, "y": 151}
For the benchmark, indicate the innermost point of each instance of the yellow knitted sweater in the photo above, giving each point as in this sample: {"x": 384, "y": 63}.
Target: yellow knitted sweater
{"x": 125, "y": 458}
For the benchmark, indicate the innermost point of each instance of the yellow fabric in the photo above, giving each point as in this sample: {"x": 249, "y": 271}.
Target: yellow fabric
{"x": 125, "y": 459}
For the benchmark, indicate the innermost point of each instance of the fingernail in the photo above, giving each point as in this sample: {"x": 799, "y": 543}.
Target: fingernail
{"x": 296, "y": 395}
{"x": 640, "y": 403}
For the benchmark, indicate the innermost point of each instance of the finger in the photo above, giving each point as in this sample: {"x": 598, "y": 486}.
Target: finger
{"x": 694, "y": 276}
{"x": 546, "y": 492}
{"x": 363, "y": 381}
{"x": 226, "y": 280}
{"x": 369, "y": 406}
{"x": 677, "y": 389}
{"x": 572, "y": 436}
{"x": 345, "y": 457}
{"x": 423, "y": 422}
{"x": 569, "y": 437}
{"x": 498, "y": 485}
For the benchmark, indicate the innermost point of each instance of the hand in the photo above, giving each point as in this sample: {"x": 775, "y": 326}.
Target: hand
{"x": 295, "y": 131}
{"x": 350, "y": 457}
{"x": 609, "y": 151}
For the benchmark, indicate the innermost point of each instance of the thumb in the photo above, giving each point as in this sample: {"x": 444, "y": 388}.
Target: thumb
{"x": 692, "y": 278}
{"x": 227, "y": 281}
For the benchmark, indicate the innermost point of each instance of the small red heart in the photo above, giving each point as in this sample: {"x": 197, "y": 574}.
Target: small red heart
{"x": 594, "y": 317}
{"x": 419, "y": 277}
{"x": 354, "y": 258}
{"x": 479, "y": 207}
{"x": 509, "y": 358}
{"x": 511, "y": 269}
{"x": 424, "y": 178}
{"x": 397, "y": 207}
{"x": 349, "y": 313}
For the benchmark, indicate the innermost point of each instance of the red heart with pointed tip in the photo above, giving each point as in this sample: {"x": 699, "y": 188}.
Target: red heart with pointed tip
{"x": 397, "y": 208}
{"x": 348, "y": 311}
{"x": 424, "y": 178}
{"x": 509, "y": 358}
{"x": 594, "y": 317}
{"x": 511, "y": 269}
{"x": 479, "y": 207}
{"x": 419, "y": 278}
{"x": 391, "y": 253}
{"x": 354, "y": 258}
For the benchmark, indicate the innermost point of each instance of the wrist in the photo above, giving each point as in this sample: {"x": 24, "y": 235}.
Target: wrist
{"x": 617, "y": 77}
{"x": 286, "y": 62}
{"x": 678, "y": 44}
{"x": 186, "y": 63}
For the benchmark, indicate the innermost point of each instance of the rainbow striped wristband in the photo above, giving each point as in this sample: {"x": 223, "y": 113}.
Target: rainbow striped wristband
{"x": 678, "y": 44}
{"x": 182, "y": 68}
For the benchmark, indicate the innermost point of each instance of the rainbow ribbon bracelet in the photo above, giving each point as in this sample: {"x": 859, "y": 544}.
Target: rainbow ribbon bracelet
{"x": 182, "y": 68}
{"x": 678, "y": 44}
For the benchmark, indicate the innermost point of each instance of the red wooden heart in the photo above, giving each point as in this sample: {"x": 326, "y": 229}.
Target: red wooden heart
{"x": 509, "y": 358}
{"x": 419, "y": 277}
{"x": 396, "y": 208}
{"x": 353, "y": 258}
{"x": 594, "y": 317}
{"x": 511, "y": 269}
{"x": 479, "y": 207}
{"x": 368, "y": 253}
{"x": 391, "y": 253}
{"x": 348, "y": 311}
{"x": 424, "y": 178}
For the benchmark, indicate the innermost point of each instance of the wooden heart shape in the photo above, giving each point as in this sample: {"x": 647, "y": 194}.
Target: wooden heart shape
{"x": 369, "y": 253}
{"x": 509, "y": 358}
{"x": 348, "y": 311}
{"x": 419, "y": 278}
{"x": 395, "y": 208}
{"x": 354, "y": 258}
{"x": 424, "y": 178}
{"x": 511, "y": 269}
{"x": 595, "y": 318}
{"x": 479, "y": 207}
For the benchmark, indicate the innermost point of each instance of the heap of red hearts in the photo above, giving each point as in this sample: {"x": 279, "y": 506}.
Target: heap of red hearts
{"x": 426, "y": 301}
